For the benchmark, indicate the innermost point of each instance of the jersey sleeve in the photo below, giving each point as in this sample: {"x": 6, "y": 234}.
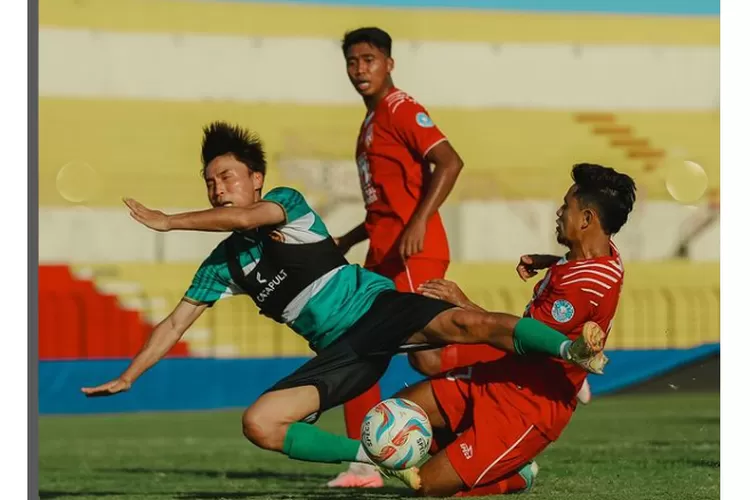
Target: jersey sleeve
{"x": 415, "y": 127}
{"x": 211, "y": 281}
{"x": 291, "y": 201}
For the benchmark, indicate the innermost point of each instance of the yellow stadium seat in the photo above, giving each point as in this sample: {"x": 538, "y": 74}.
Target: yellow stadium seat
{"x": 150, "y": 150}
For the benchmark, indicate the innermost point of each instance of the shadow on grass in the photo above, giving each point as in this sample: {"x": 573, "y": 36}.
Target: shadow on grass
{"x": 229, "y": 474}
{"x": 61, "y": 494}
{"x": 327, "y": 494}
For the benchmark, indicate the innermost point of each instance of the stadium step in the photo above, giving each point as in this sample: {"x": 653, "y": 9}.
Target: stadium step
{"x": 77, "y": 320}
{"x": 232, "y": 328}
{"x": 654, "y": 141}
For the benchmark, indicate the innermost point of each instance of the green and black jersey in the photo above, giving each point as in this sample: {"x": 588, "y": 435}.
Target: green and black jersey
{"x": 293, "y": 272}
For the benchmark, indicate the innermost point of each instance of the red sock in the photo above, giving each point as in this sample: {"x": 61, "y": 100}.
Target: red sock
{"x": 510, "y": 484}
{"x": 356, "y": 409}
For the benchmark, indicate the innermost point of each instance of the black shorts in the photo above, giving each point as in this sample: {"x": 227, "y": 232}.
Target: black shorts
{"x": 356, "y": 360}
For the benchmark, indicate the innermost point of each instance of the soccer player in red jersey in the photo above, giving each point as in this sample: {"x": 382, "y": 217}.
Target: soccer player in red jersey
{"x": 503, "y": 413}
{"x": 450, "y": 357}
{"x": 397, "y": 143}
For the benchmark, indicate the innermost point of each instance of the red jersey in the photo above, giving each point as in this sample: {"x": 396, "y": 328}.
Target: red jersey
{"x": 571, "y": 294}
{"x": 393, "y": 142}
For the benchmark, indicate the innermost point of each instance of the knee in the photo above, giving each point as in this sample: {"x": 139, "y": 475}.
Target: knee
{"x": 262, "y": 429}
{"x": 428, "y": 363}
{"x": 423, "y": 491}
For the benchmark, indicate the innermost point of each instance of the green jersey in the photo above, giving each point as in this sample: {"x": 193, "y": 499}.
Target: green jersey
{"x": 293, "y": 272}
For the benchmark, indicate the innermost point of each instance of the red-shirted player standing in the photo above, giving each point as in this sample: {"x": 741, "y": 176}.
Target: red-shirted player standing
{"x": 397, "y": 143}
{"x": 503, "y": 413}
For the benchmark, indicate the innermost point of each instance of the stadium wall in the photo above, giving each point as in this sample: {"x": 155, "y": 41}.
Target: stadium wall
{"x": 78, "y": 63}
{"x": 205, "y": 384}
{"x": 479, "y": 232}
{"x": 653, "y": 7}
{"x": 125, "y": 87}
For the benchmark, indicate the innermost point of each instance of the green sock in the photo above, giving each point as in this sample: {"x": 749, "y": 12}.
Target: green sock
{"x": 530, "y": 335}
{"x": 311, "y": 444}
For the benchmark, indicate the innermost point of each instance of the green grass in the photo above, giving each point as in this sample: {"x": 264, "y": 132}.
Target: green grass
{"x": 628, "y": 447}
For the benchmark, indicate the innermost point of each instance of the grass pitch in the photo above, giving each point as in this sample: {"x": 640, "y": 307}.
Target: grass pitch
{"x": 626, "y": 447}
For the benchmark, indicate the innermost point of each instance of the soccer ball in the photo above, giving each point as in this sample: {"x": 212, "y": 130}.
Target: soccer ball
{"x": 396, "y": 433}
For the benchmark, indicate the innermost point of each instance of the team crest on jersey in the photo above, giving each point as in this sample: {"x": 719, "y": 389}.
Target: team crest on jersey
{"x": 562, "y": 311}
{"x": 423, "y": 120}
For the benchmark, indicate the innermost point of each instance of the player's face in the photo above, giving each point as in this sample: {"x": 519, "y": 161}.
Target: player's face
{"x": 368, "y": 69}
{"x": 571, "y": 220}
{"x": 230, "y": 183}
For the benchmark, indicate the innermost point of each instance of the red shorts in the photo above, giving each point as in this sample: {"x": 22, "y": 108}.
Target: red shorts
{"x": 493, "y": 440}
{"x": 416, "y": 271}
{"x": 462, "y": 355}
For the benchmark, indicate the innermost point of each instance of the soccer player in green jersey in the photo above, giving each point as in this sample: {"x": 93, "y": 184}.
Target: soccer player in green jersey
{"x": 280, "y": 253}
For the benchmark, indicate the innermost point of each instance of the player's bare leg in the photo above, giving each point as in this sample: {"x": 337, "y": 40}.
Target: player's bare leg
{"x": 421, "y": 394}
{"x": 513, "y": 334}
{"x": 519, "y": 482}
{"x": 265, "y": 422}
{"x": 437, "y": 476}
{"x": 427, "y": 363}
{"x": 276, "y": 422}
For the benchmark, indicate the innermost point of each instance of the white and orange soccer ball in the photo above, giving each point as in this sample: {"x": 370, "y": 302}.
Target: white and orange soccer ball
{"x": 397, "y": 434}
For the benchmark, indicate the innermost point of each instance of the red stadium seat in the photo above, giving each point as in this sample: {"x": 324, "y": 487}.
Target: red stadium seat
{"x": 76, "y": 321}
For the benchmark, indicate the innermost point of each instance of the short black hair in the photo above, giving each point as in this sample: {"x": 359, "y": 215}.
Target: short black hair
{"x": 374, "y": 36}
{"x": 220, "y": 138}
{"x": 610, "y": 193}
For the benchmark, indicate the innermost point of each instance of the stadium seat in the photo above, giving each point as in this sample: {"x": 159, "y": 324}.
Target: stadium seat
{"x": 77, "y": 321}
{"x": 512, "y": 153}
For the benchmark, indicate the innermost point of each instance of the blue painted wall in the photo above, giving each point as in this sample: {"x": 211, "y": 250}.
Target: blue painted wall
{"x": 204, "y": 384}
{"x": 649, "y": 7}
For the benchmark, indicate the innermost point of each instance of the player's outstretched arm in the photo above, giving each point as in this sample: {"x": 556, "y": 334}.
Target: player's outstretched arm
{"x": 529, "y": 264}
{"x": 162, "y": 339}
{"x": 353, "y": 237}
{"x": 223, "y": 219}
{"x": 447, "y": 167}
{"x": 449, "y": 292}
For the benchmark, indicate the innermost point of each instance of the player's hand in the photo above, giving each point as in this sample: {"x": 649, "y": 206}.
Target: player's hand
{"x": 108, "y": 389}
{"x": 342, "y": 243}
{"x": 444, "y": 290}
{"x": 526, "y": 268}
{"x": 154, "y": 219}
{"x": 412, "y": 239}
